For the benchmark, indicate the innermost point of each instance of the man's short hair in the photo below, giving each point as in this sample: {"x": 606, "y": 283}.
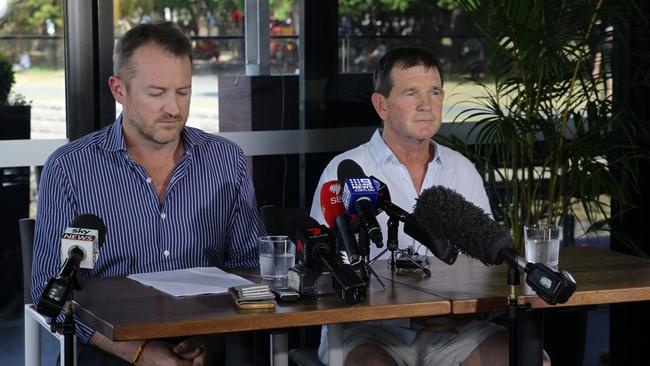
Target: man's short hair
{"x": 402, "y": 57}
{"x": 165, "y": 35}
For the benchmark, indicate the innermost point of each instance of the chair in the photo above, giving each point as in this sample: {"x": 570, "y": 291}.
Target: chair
{"x": 279, "y": 221}
{"x": 32, "y": 319}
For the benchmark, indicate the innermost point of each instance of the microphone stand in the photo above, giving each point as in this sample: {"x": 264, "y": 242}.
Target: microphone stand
{"x": 364, "y": 246}
{"x": 67, "y": 327}
{"x": 524, "y": 323}
{"x": 513, "y": 309}
{"x": 57, "y": 296}
{"x": 392, "y": 245}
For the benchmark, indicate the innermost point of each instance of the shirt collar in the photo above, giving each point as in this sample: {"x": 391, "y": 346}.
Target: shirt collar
{"x": 383, "y": 153}
{"x": 114, "y": 137}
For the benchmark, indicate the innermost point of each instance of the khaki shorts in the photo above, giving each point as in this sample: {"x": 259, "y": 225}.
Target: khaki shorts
{"x": 428, "y": 348}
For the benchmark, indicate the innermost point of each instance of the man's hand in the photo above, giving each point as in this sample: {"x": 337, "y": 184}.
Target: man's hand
{"x": 155, "y": 353}
{"x": 201, "y": 350}
{"x": 161, "y": 353}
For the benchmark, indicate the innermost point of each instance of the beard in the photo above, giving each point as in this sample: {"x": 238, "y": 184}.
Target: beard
{"x": 149, "y": 132}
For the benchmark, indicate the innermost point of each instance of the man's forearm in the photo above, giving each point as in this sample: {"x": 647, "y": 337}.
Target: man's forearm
{"x": 123, "y": 350}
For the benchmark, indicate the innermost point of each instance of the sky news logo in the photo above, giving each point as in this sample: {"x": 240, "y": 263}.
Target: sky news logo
{"x": 78, "y": 237}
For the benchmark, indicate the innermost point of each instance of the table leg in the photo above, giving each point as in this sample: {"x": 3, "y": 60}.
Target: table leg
{"x": 279, "y": 346}
{"x": 32, "y": 339}
{"x": 335, "y": 343}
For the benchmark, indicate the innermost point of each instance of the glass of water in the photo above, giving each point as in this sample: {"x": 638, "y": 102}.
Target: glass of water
{"x": 542, "y": 243}
{"x": 277, "y": 255}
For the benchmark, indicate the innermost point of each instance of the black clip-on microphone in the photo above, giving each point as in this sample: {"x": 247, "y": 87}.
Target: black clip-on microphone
{"x": 58, "y": 293}
{"x": 364, "y": 251}
{"x": 392, "y": 245}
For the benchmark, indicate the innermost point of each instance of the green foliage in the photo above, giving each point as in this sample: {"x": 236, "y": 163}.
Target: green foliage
{"x": 7, "y": 80}
{"x": 449, "y": 4}
{"x": 548, "y": 138}
{"x": 361, "y": 6}
{"x": 28, "y": 16}
{"x": 281, "y": 9}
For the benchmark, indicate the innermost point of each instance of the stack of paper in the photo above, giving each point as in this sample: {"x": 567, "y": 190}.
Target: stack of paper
{"x": 191, "y": 281}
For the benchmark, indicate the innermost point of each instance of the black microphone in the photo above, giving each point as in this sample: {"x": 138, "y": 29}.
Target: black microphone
{"x": 79, "y": 246}
{"x": 359, "y": 197}
{"x": 442, "y": 249}
{"x": 317, "y": 242}
{"x": 346, "y": 237}
{"x": 446, "y": 214}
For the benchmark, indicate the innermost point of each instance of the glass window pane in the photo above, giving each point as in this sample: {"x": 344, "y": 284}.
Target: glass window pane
{"x": 367, "y": 31}
{"x": 32, "y": 42}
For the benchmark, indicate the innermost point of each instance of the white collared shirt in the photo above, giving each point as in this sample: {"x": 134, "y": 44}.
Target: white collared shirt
{"x": 447, "y": 168}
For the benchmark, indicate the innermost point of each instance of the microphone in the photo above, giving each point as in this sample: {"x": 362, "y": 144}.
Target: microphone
{"x": 345, "y": 236}
{"x": 79, "y": 248}
{"x": 315, "y": 246}
{"x": 331, "y": 205}
{"x": 318, "y": 252}
{"x": 360, "y": 197}
{"x": 81, "y": 241}
{"x": 442, "y": 249}
{"x": 445, "y": 214}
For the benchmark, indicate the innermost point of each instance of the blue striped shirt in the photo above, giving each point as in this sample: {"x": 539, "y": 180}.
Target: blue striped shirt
{"x": 208, "y": 216}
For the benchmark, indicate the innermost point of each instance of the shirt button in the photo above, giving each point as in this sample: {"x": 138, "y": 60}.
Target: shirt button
{"x": 166, "y": 253}
{"x": 163, "y": 215}
{"x": 148, "y": 180}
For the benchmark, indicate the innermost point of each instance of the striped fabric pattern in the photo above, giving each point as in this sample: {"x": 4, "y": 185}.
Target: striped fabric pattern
{"x": 208, "y": 216}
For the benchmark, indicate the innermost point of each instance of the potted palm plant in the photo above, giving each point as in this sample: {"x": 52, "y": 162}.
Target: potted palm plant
{"x": 551, "y": 140}
{"x": 550, "y": 143}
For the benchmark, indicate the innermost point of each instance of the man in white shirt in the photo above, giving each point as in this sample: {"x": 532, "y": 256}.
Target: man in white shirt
{"x": 408, "y": 98}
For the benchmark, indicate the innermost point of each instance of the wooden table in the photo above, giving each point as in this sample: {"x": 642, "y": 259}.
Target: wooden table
{"x": 602, "y": 277}
{"x": 123, "y": 310}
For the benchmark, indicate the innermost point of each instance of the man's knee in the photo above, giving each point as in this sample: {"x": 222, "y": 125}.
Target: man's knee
{"x": 369, "y": 354}
{"x": 492, "y": 351}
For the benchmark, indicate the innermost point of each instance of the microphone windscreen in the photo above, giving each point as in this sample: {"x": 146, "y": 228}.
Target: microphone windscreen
{"x": 90, "y": 221}
{"x": 348, "y": 169}
{"x": 331, "y": 203}
{"x": 446, "y": 214}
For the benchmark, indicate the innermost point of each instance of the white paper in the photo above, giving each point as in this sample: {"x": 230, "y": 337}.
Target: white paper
{"x": 190, "y": 281}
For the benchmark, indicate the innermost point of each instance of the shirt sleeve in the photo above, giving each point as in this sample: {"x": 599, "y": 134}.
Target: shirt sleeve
{"x": 479, "y": 195}
{"x": 245, "y": 222}
{"x": 56, "y": 209}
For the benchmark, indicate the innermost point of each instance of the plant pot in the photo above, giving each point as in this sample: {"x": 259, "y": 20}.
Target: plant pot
{"x": 15, "y": 122}
{"x": 14, "y": 195}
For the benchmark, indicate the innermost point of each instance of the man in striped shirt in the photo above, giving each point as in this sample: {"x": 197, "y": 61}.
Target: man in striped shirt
{"x": 171, "y": 196}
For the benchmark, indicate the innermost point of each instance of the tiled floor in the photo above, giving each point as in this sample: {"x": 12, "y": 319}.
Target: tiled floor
{"x": 12, "y": 342}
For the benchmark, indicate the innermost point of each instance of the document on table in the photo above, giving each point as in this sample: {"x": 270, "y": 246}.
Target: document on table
{"x": 190, "y": 281}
